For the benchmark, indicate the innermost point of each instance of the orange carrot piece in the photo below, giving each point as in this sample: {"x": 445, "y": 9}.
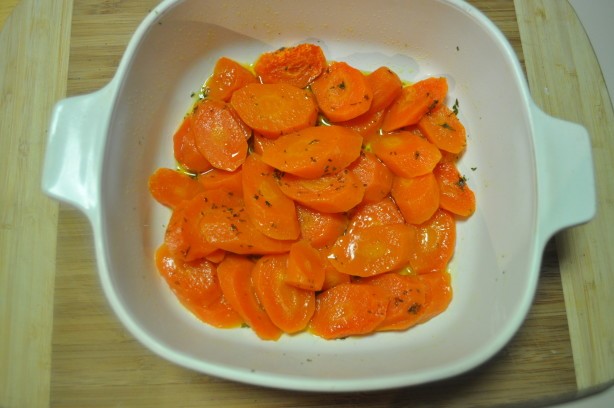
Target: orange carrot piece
{"x": 228, "y": 76}
{"x": 199, "y": 246}
{"x": 442, "y": 127}
{"x": 275, "y": 109}
{"x": 386, "y": 86}
{"x": 417, "y": 197}
{"x": 367, "y": 125}
{"x": 221, "y": 136}
{"x": 305, "y": 267}
{"x": 342, "y": 92}
{"x": 455, "y": 194}
{"x": 332, "y": 277}
{"x": 170, "y": 187}
{"x": 332, "y": 193}
{"x": 406, "y": 154}
{"x": 318, "y": 228}
{"x": 414, "y": 102}
{"x": 436, "y": 241}
{"x": 228, "y": 181}
{"x": 271, "y": 211}
{"x": 216, "y": 256}
{"x": 298, "y": 65}
{"x": 260, "y": 143}
{"x": 289, "y": 308}
{"x": 374, "y": 250}
{"x": 438, "y": 294}
{"x": 384, "y": 212}
{"x": 235, "y": 277}
{"x": 407, "y": 299}
{"x": 174, "y": 237}
{"x": 220, "y": 314}
{"x": 184, "y": 147}
{"x": 375, "y": 177}
{"x": 315, "y": 151}
{"x": 347, "y": 310}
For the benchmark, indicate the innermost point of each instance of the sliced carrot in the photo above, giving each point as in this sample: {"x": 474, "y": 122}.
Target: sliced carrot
{"x": 298, "y": 65}
{"x": 407, "y": 299}
{"x": 386, "y": 86}
{"x": 318, "y": 228}
{"x": 414, "y": 102}
{"x": 374, "y": 250}
{"x": 332, "y": 193}
{"x": 176, "y": 237}
{"x": 406, "y": 154}
{"x": 455, "y": 194}
{"x": 436, "y": 241}
{"x": 347, "y": 310}
{"x": 216, "y": 256}
{"x": 199, "y": 246}
{"x": 383, "y": 212}
{"x": 260, "y": 143}
{"x": 170, "y": 187}
{"x": 367, "y": 125}
{"x": 438, "y": 294}
{"x": 235, "y": 277}
{"x": 305, "y": 267}
{"x": 184, "y": 147}
{"x": 220, "y": 314}
{"x": 442, "y": 127}
{"x": 275, "y": 109}
{"x": 332, "y": 277}
{"x": 228, "y": 181}
{"x": 315, "y": 151}
{"x": 228, "y": 76}
{"x": 220, "y": 135}
{"x": 289, "y": 308}
{"x": 417, "y": 197}
{"x": 375, "y": 177}
{"x": 271, "y": 211}
{"x": 342, "y": 92}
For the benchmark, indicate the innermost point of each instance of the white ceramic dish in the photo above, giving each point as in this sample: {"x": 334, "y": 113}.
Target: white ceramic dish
{"x": 532, "y": 175}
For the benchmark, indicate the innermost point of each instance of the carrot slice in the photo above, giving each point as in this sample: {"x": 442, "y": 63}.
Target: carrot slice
{"x": 367, "y": 125}
{"x": 182, "y": 238}
{"x": 315, "y": 151}
{"x": 332, "y": 277}
{"x": 298, "y": 65}
{"x": 455, "y": 194}
{"x": 374, "y": 250}
{"x": 342, "y": 92}
{"x": 305, "y": 267}
{"x": 235, "y": 276}
{"x": 375, "y": 177}
{"x": 318, "y": 228}
{"x": 442, "y": 127}
{"x": 271, "y": 211}
{"x": 417, "y": 197}
{"x": 184, "y": 147}
{"x": 199, "y": 246}
{"x": 228, "y": 181}
{"x": 275, "y": 109}
{"x": 436, "y": 241}
{"x": 260, "y": 143}
{"x": 348, "y": 309}
{"x": 221, "y": 136}
{"x": 386, "y": 86}
{"x": 438, "y": 294}
{"x": 220, "y": 314}
{"x": 406, "y": 154}
{"x": 414, "y": 102}
{"x": 170, "y": 187}
{"x": 332, "y": 193}
{"x": 384, "y": 212}
{"x": 228, "y": 76}
{"x": 289, "y": 308}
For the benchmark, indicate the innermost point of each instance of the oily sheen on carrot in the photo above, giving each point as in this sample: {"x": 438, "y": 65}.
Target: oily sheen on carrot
{"x": 417, "y": 197}
{"x": 442, "y": 127}
{"x": 406, "y": 154}
{"x": 455, "y": 194}
{"x": 228, "y": 76}
{"x": 305, "y": 267}
{"x": 298, "y": 65}
{"x": 184, "y": 148}
{"x": 171, "y": 188}
{"x": 436, "y": 239}
{"x": 374, "y": 175}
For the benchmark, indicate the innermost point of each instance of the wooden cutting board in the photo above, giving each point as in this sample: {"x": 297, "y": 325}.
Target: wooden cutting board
{"x": 95, "y": 362}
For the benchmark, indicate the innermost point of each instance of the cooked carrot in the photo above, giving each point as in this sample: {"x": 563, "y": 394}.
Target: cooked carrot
{"x": 178, "y": 237}
{"x": 228, "y": 76}
{"x": 374, "y": 250}
{"x": 260, "y": 143}
{"x": 289, "y": 308}
{"x": 315, "y": 151}
{"x": 438, "y": 294}
{"x": 383, "y": 212}
{"x": 455, "y": 194}
{"x": 184, "y": 147}
{"x": 275, "y": 109}
{"x": 170, "y": 187}
{"x": 216, "y": 256}
{"x": 298, "y": 65}
{"x": 347, "y": 310}
{"x": 305, "y": 267}
{"x": 407, "y": 299}
{"x": 367, "y": 125}
{"x": 406, "y": 154}
{"x": 436, "y": 241}
{"x": 375, "y": 177}
{"x": 417, "y": 197}
{"x": 271, "y": 211}
{"x": 332, "y": 277}
{"x": 199, "y": 246}
{"x": 442, "y": 127}
{"x": 414, "y": 102}
{"x": 342, "y": 92}
{"x": 235, "y": 277}
{"x": 228, "y": 181}
{"x": 318, "y": 228}
{"x": 332, "y": 193}
{"x": 386, "y": 86}
{"x": 220, "y": 314}
{"x": 220, "y": 135}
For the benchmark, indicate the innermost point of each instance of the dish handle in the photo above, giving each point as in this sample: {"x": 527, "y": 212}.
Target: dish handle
{"x": 73, "y": 157}
{"x": 565, "y": 175}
